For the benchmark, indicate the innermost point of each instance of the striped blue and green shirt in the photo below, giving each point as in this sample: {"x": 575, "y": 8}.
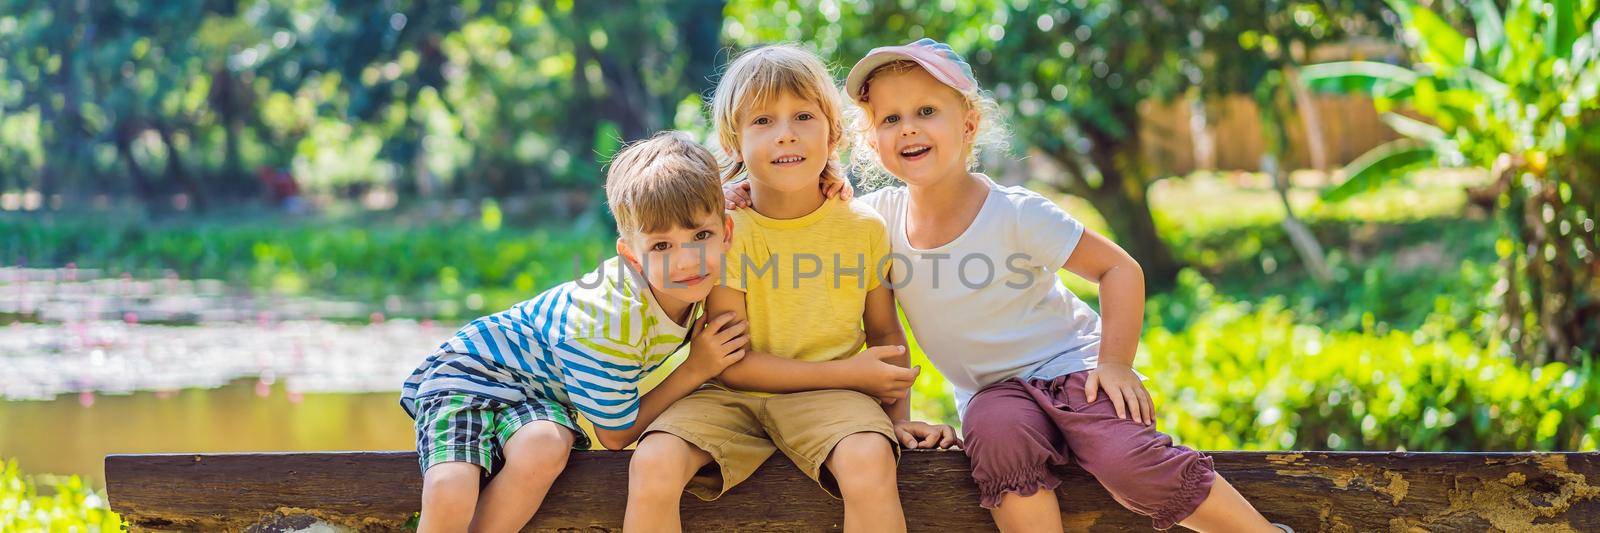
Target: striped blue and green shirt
{"x": 585, "y": 343}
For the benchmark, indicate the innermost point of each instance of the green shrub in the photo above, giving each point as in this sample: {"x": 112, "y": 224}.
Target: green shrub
{"x": 1394, "y": 275}
{"x": 1234, "y": 375}
{"x": 70, "y": 506}
{"x": 1243, "y": 376}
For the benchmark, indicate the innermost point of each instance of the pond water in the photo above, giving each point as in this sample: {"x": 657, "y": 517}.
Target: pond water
{"x": 92, "y": 365}
{"x": 73, "y": 433}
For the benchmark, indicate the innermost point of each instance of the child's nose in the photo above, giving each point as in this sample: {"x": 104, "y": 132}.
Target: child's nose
{"x": 688, "y": 258}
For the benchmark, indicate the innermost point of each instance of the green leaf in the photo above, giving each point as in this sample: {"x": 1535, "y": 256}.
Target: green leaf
{"x": 1366, "y": 77}
{"x": 1491, "y": 30}
{"x": 1441, "y": 44}
{"x": 1386, "y": 163}
{"x": 1562, "y": 29}
{"x": 1414, "y": 128}
{"x": 1485, "y": 83}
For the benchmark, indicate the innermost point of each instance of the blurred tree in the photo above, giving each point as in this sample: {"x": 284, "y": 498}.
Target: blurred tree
{"x": 1520, "y": 96}
{"x": 480, "y": 98}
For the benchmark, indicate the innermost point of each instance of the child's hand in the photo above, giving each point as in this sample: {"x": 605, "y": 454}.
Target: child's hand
{"x": 717, "y": 344}
{"x": 838, "y": 187}
{"x": 1126, "y": 392}
{"x": 737, "y": 194}
{"x": 888, "y": 382}
{"x": 915, "y": 435}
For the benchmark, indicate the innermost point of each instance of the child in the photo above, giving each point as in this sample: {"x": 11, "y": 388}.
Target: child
{"x": 803, "y": 270}
{"x": 498, "y": 398}
{"x": 1039, "y": 376}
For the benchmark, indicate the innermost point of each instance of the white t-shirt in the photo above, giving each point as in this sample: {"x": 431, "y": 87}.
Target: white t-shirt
{"x": 989, "y": 306}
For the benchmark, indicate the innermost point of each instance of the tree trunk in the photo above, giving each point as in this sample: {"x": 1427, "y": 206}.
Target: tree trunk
{"x": 1135, "y": 229}
{"x": 177, "y": 173}
{"x": 1308, "y": 491}
{"x": 1275, "y": 129}
{"x": 1310, "y": 120}
{"x": 1304, "y": 242}
{"x": 702, "y": 37}
{"x": 63, "y": 153}
{"x": 142, "y": 187}
{"x": 1300, "y": 235}
{"x": 1122, "y": 198}
{"x": 229, "y": 98}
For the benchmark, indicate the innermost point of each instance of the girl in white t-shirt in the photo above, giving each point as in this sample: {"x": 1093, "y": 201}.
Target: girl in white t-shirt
{"x": 1039, "y": 376}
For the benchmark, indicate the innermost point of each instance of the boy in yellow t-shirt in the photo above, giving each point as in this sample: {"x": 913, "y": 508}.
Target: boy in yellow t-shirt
{"x": 806, "y": 274}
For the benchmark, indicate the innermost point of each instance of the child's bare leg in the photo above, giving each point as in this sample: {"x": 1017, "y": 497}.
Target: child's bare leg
{"x": 661, "y": 467}
{"x": 535, "y": 455}
{"x": 1035, "y": 512}
{"x": 449, "y": 493}
{"x": 1224, "y": 509}
{"x": 864, "y": 466}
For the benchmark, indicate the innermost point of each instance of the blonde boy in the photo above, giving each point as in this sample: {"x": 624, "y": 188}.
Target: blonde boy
{"x": 500, "y": 398}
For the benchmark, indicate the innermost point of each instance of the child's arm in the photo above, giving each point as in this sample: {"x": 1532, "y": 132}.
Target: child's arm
{"x": 866, "y": 372}
{"x": 883, "y": 328}
{"x": 714, "y": 346}
{"x": 1121, "y": 282}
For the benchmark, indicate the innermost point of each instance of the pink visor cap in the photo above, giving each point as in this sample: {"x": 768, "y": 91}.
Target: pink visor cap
{"x": 937, "y": 58}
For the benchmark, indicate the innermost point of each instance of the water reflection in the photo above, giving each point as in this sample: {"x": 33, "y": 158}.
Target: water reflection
{"x": 64, "y": 436}
{"x": 91, "y": 365}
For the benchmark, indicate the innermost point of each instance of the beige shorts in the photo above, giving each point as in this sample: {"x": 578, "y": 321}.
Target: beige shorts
{"x": 741, "y": 431}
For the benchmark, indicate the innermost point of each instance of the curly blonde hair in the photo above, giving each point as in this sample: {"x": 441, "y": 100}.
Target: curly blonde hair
{"x": 865, "y": 162}
{"x": 762, "y": 74}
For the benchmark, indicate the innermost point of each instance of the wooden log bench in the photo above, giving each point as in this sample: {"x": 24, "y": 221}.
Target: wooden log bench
{"x": 1311, "y": 491}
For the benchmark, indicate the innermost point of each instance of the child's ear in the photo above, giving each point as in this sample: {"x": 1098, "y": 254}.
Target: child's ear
{"x": 627, "y": 254}
{"x": 970, "y": 125}
{"x": 727, "y": 236}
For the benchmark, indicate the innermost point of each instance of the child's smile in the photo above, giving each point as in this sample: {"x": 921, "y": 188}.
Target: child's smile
{"x": 915, "y": 151}
{"x": 788, "y": 160}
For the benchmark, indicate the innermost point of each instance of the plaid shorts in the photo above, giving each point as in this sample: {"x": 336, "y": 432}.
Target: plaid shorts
{"x": 474, "y": 429}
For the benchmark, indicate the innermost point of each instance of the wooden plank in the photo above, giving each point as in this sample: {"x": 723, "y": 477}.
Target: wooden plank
{"x": 1311, "y": 491}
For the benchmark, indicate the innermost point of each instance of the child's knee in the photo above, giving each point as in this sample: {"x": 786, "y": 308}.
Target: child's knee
{"x": 662, "y": 462}
{"x": 539, "y": 447}
{"x": 454, "y": 481}
{"x": 863, "y": 459}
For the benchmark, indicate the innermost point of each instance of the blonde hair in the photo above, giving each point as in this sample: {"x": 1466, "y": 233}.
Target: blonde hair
{"x": 762, "y": 74}
{"x": 667, "y": 181}
{"x": 866, "y": 163}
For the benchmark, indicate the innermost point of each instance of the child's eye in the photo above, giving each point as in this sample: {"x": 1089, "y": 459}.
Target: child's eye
{"x": 891, "y": 119}
{"x": 703, "y": 235}
{"x": 925, "y": 111}
{"x": 804, "y": 116}
{"x": 761, "y": 121}
{"x": 660, "y": 247}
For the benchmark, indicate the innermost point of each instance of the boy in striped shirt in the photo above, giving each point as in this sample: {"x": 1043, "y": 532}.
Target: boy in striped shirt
{"x": 499, "y": 398}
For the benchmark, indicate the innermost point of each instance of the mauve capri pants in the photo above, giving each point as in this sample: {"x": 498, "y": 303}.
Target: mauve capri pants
{"x": 1013, "y": 430}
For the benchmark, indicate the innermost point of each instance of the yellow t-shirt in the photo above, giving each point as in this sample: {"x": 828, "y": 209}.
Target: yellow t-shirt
{"x": 805, "y": 280}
